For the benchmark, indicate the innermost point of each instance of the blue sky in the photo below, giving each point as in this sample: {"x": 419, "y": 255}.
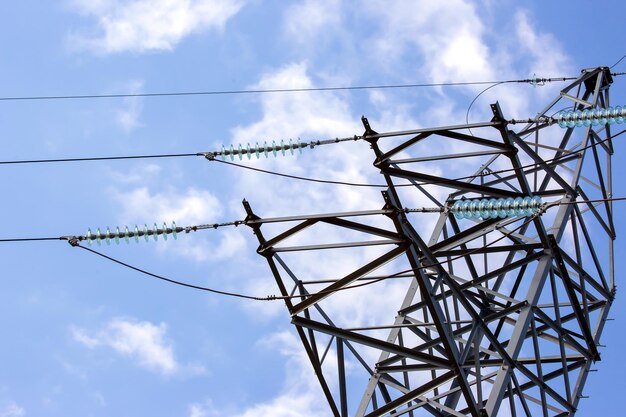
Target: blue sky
{"x": 83, "y": 337}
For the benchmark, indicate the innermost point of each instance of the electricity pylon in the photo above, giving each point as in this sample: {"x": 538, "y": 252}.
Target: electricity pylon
{"x": 502, "y": 309}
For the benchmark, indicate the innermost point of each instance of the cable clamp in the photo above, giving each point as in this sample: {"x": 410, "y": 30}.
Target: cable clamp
{"x": 72, "y": 240}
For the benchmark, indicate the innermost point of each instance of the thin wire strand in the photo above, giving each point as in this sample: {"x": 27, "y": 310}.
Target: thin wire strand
{"x": 442, "y": 263}
{"x": 99, "y": 158}
{"x": 618, "y": 61}
{"x": 322, "y": 292}
{"x": 173, "y": 281}
{"x": 32, "y": 239}
{"x": 203, "y": 154}
{"x": 265, "y": 91}
{"x": 297, "y": 177}
{"x": 476, "y": 98}
{"x": 273, "y": 297}
{"x": 434, "y": 182}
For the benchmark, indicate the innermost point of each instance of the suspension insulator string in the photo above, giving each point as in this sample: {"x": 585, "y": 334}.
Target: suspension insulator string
{"x": 116, "y": 236}
{"x": 591, "y": 117}
{"x": 492, "y": 208}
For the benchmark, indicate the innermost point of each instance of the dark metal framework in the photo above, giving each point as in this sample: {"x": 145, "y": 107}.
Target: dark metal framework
{"x": 500, "y": 317}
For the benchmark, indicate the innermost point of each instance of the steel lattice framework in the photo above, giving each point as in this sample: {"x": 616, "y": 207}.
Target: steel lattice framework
{"x": 499, "y": 316}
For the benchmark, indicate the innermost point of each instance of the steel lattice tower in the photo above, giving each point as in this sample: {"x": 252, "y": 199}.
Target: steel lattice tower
{"x": 501, "y": 316}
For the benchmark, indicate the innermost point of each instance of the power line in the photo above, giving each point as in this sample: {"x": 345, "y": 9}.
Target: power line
{"x": 32, "y": 239}
{"x": 274, "y": 90}
{"x": 300, "y": 178}
{"x": 210, "y": 157}
{"x": 75, "y": 240}
{"x": 98, "y": 158}
{"x": 618, "y": 61}
{"x": 370, "y": 282}
{"x": 75, "y": 243}
{"x": 355, "y": 184}
{"x": 173, "y": 281}
{"x": 476, "y": 98}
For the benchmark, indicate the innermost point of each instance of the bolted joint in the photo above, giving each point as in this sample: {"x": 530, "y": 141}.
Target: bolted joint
{"x": 73, "y": 240}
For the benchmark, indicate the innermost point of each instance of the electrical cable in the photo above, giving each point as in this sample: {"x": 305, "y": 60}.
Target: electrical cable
{"x": 99, "y": 158}
{"x": 297, "y": 177}
{"x": 504, "y": 235}
{"x": 618, "y": 61}
{"x": 476, "y": 98}
{"x": 32, "y": 239}
{"x": 273, "y": 297}
{"x": 173, "y": 281}
{"x": 275, "y": 90}
{"x": 205, "y": 154}
{"x": 353, "y": 184}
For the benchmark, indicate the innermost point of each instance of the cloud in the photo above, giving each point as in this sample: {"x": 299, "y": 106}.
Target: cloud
{"x": 136, "y": 174}
{"x": 192, "y": 206}
{"x": 441, "y": 42}
{"x": 141, "y": 341}
{"x": 128, "y": 116}
{"x": 12, "y": 410}
{"x": 305, "y": 22}
{"x": 187, "y": 208}
{"x": 445, "y": 35}
{"x": 546, "y": 60}
{"x": 299, "y": 397}
{"x": 149, "y": 25}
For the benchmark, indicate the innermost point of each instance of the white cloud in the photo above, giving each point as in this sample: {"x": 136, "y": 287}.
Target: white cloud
{"x": 546, "y": 59}
{"x": 149, "y": 25}
{"x": 136, "y": 174}
{"x": 192, "y": 206}
{"x": 298, "y": 114}
{"x": 186, "y": 208}
{"x": 311, "y": 116}
{"x": 305, "y": 22}
{"x": 459, "y": 41}
{"x": 449, "y": 41}
{"x": 141, "y": 341}
{"x": 12, "y": 410}
{"x": 446, "y": 36}
{"x": 300, "y": 395}
{"x": 128, "y": 116}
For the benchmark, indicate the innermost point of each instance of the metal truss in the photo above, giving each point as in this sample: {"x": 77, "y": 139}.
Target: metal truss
{"x": 500, "y": 317}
